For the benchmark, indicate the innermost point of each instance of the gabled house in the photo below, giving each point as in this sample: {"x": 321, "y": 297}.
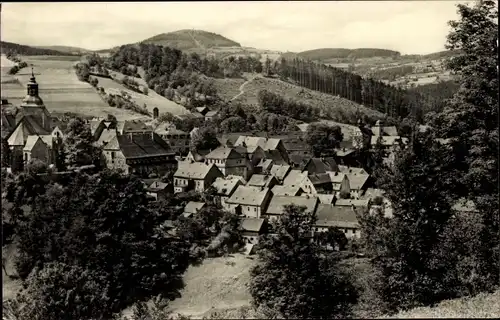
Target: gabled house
{"x": 197, "y": 156}
{"x": 192, "y": 207}
{"x": 177, "y": 139}
{"x": 132, "y": 126}
{"x": 277, "y": 205}
{"x": 139, "y": 153}
{"x": 229, "y": 162}
{"x": 342, "y": 217}
{"x": 322, "y": 182}
{"x": 211, "y": 115}
{"x": 264, "y": 166}
{"x": 345, "y": 156}
{"x": 249, "y": 201}
{"x": 203, "y": 110}
{"x": 262, "y": 181}
{"x": 358, "y": 183}
{"x": 195, "y": 175}
{"x": 159, "y": 190}
{"x": 36, "y": 148}
{"x": 252, "y": 229}
{"x": 225, "y": 188}
{"x": 350, "y": 170}
{"x": 105, "y": 136}
{"x": 277, "y": 157}
{"x": 362, "y": 204}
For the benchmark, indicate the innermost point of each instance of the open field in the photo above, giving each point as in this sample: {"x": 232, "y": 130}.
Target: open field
{"x": 59, "y": 88}
{"x": 151, "y": 100}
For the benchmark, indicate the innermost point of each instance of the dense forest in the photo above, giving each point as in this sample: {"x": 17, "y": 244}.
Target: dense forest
{"x": 436, "y": 94}
{"x": 342, "y": 53}
{"x": 14, "y": 48}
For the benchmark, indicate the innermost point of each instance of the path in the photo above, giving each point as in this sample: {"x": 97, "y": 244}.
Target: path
{"x": 243, "y": 86}
{"x": 199, "y": 44}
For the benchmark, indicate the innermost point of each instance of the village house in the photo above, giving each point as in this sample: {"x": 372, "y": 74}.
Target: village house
{"x": 277, "y": 205}
{"x": 252, "y": 229}
{"x": 225, "y": 188}
{"x": 159, "y": 190}
{"x": 139, "y": 153}
{"x": 266, "y": 144}
{"x": 264, "y": 166}
{"x": 229, "y": 162}
{"x": 386, "y": 136}
{"x": 195, "y": 175}
{"x": 342, "y": 217}
{"x": 132, "y": 126}
{"x": 350, "y": 170}
{"x": 301, "y": 179}
{"x": 346, "y": 157}
{"x": 249, "y": 201}
{"x": 322, "y": 182}
{"x": 202, "y": 110}
{"x": 358, "y": 183}
{"x": 361, "y": 204}
{"x": 262, "y": 181}
{"x": 192, "y": 207}
{"x": 327, "y": 198}
{"x": 293, "y": 191}
{"x": 276, "y": 157}
{"x": 177, "y": 139}
{"x": 340, "y": 184}
{"x": 211, "y": 115}
{"x": 197, "y": 156}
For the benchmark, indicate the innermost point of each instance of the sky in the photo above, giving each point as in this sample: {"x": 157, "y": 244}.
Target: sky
{"x": 410, "y": 27}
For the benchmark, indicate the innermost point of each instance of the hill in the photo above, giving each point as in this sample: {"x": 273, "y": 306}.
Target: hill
{"x": 191, "y": 39}
{"x": 342, "y": 53}
{"x": 28, "y": 50}
{"x": 66, "y": 49}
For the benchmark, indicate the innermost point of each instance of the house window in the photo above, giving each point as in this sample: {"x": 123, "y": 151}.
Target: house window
{"x": 254, "y": 209}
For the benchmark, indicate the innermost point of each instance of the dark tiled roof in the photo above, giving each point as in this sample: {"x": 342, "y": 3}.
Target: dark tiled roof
{"x": 261, "y": 180}
{"x": 224, "y": 153}
{"x": 300, "y": 160}
{"x": 276, "y": 156}
{"x": 336, "y": 216}
{"x": 321, "y": 178}
{"x": 321, "y": 165}
{"x": 252, "y": 224}
{"x": 140, "y": 145}
{"x": 132, "y": 126}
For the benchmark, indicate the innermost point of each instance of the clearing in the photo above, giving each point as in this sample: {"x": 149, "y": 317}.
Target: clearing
{"x": 60, "y": 89}
{"x": 151, "y": 100}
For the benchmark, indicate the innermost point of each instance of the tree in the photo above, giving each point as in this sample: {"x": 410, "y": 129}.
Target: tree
{"x": 418, "y": 188}
{"x": 78, "y": 144}
{"x": 470, "y": 121}
{"x": 5, "y": 154}
{"x": 323, "y": 138}
{"x": 205, "y": 138}
{"x": 109, "y": 213}
{"x": 292, "y": 277}
{"x": 233, "y": 124}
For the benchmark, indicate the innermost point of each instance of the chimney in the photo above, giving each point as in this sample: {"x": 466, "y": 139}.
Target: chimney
{"x": 334, "y": 200}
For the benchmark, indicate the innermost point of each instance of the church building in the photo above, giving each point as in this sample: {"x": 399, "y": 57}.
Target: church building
{"x": 34, "y": 133}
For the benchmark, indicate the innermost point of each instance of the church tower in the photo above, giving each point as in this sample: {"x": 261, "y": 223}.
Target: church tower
{"x": 32, "y": 106}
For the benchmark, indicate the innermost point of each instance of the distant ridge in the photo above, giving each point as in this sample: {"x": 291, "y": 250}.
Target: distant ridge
{"x": 342, "y": 53}
{"x": 29, "y": 50}
{"x": 191, "y": 39}
{"x": 67, "y": 49}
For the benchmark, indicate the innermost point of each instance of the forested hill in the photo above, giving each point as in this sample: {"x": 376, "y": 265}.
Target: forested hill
{"x": 10, "y": 47}
{"x": 65, "y": 49}
{"x": 167, "y": 68}
{"x": 341, "y": 53}
{"x": 191, "y": 39}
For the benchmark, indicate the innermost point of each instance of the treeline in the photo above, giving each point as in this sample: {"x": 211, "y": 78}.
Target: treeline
{"x": 391, "y": 74}
{"x": 395, "y": 102}
{"x": 275, "y": 103}
{"x": 15, "y": 48}
{"x": 341, "y": 53}
{"x": 436, "y": 94}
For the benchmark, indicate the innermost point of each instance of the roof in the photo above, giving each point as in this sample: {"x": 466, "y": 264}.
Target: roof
{"x": 226, "y": 186}
{"x": 132, "y": 126}
{"x": 355, "y": 202}
{"x": 26, "y": 126}
{"x": 260, "y": 180}
{"x": 320, "y": 165}
{"x": 347, "y": 169}
{"x": 202, "y": 109}
{"x": 277, "y": 203}
{"x": 30, "y": 143}
{"x": 326, "y": 198}
{"x": 385, "y": 131}
{"x": 343, "y": 152}
{"x": 252, "y": 224}
{"x": 224, "y": 153}
{"x": 250, "y": 141}
{"x": 250, "y": 196}
{"x": 199, "y": 156}
{"x": 372, "y": 193}
{"x": 166, "y": 128}
{"x": 106, "y": 136}
{"x": 157, "y": 186}
{"x": 48, "y": 139}
{"x": 278, "y": 190}
{"x": 303, "y": 126}
{"x": 265, "y": 163}
{"x": 139, "y": 145}
{"x": 357, "y": 180}
{"x": 294, "y": 178}
{"x": 276, "y": 156}
{"x": 300, "y": 160}
{"x": 211, "y": 113}
{"x": 280, "y": 171}
{"x": 94, "y": 125}
{"x": 194, "y": 170}
{"x": 336, "y": 216}
{"x": 272, "y": 144}
{"x": 321, "y": 178}
{"x": 385, "y": 140}
{"x": 193, "y": 207}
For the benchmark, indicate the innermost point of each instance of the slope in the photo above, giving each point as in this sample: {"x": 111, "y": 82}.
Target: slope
{"x": 342, "y": 53}
{"x": 65, "y": 49}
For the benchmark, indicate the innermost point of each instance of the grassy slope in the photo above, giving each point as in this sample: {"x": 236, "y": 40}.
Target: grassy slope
{"x": 191, "y": 39}
{"x": 59, "y": 88}
{"x": 228, "y": 88}
{"x": 152, "y": 100}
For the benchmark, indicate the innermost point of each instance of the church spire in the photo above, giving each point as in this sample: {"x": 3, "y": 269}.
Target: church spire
{"x": 32, "y": 79}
